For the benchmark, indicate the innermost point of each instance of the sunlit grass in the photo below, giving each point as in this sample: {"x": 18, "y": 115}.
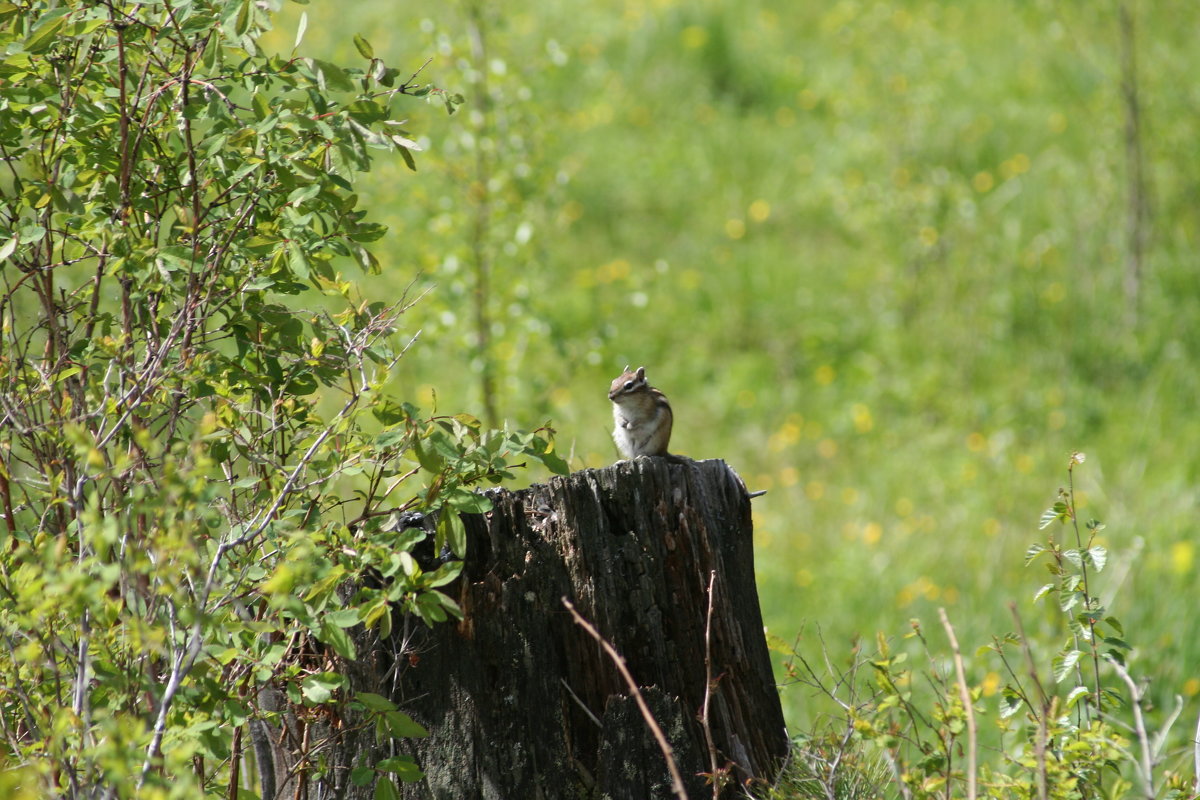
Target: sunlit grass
{"x": 873, "y": 253}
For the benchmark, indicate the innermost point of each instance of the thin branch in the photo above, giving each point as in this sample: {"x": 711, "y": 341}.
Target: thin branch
{"x": 708, "y": 687}
{"x": 6, "y": 507}
{"x": 1041, "y": 713}
{"x": 408, "y": 84}
{"x": 968, "y": 706}
{"x": 1196, "y": 756}
{"x": 481, "y": 223}
{"x": 897, "y": 774}
{"x": 1137, "y": 202}
{"x": 580, "y": 703}
{"x": 1145, "y": 766}
{"x": 655, "y": 730}
{"x": 1088, "y": 600}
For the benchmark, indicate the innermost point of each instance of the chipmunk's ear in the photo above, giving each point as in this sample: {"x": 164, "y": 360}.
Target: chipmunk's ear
{"x": 641, "y": 373}
{"x": 625, "y": 370}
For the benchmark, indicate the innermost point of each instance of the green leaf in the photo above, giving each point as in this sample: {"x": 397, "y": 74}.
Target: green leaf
{"x": 242, "y": 25}
{"x": 428, "y": 608}
{"x": 469, "y": 502}
{"x": 1010, "y": 702}
{"x": 1063, "y": 663}
{"x": 1117, "y": 642}
{"x": 364, "y": 47}
{"x": 1033, "y": 552}
{"x": 408, "y": 159}
{"x": 319, "y": 688}
{"x": 1042, "y": 592}
{"x": 300, "y": 29}
{"x": 451, "y": 533}
{"x": 1068, "y": 599}
{"x": 402, "y": 726}
{"x": 343, "y": 618}
{"x": 555, "y": 463}
{"x": 427, "y": 456}
{"x": 32, "y": 234}
{"x": 1097, "y": 556}
{"x": 404, "y": 767}
{"x": 385, "y": 789}
{"x": 448, "y": 604}
{"x": 444, "y": 574}
{"x": 9, "y": 248}
{"x": 329, "y": 75}
{"x": 366, "y": 259}
{"x": 337, "y": 638}
{"x": 1076, "y": 695}
{"x": 297, "y": 261}
{"x": 375, "y": 702}
{"x": 1049, "y": 516}
{"x": 43, "y": 36}
{"x": 406, "y": 143}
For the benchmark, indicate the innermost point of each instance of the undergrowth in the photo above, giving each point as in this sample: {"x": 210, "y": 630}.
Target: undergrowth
{"x": 1069, "y": 719}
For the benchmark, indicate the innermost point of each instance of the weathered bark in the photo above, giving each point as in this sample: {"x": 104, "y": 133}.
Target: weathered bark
{"x": 522, "y": 703}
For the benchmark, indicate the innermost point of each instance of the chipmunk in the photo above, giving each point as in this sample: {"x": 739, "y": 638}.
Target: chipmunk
{"x": 642, "y": 415}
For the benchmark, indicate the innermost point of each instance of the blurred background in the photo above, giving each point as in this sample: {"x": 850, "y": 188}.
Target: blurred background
{"x": 893, "y": 261}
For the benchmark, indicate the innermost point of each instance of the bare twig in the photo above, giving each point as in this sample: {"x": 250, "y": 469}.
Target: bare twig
{"x": 1159, "y": 740}
{"x": 481, "y": 223}
{"x": 708, "y": 687}
{"x": 1040, "y": 713}
{"x": 1145, "y": 766}
{"x": 235, "y": 762}
{"x": 1196, "y": 756}
{"x": 968, "y": 708}
{"x": 1138, "y": 207}
{"x": 897, "y": 775}
{"x": 580, "y": 703}
{"x": 655, "y": 730}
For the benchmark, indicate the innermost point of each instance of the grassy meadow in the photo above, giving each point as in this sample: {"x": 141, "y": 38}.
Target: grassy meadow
{"x": 876, "y": 253}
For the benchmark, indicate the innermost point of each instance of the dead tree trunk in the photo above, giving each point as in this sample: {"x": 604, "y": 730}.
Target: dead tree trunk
{"x": 521, "y": 702}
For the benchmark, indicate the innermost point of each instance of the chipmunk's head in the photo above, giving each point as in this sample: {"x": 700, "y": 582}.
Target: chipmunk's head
{"x": 628, "y": 383}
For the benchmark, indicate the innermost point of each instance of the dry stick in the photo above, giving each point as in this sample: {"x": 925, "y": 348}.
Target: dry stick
{"x": 235, "y": 762}
{"x": 708, "y": 686}
{"x": 482, "y": 224}
{"x": 663, "y": 744}
{"x": 966, "y": 701}
{"x": 1040, "y": 745}
{"x": 1135, "y": 700}
{"x": 1137, "y": 202}
{"x": 1196, "y": 756}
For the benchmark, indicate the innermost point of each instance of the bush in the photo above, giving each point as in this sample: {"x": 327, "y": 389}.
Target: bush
{"x": 199, "y": 450}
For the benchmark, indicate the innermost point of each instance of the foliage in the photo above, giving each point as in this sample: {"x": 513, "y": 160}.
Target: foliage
{"x": 199, "y": 451}
{"x": 1070, "y": 728}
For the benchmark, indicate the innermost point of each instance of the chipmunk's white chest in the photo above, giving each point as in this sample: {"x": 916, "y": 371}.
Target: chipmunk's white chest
{"x": 642, "y": 425}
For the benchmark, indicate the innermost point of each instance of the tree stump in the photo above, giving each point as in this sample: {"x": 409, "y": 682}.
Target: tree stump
{"x": 521, "y": 702}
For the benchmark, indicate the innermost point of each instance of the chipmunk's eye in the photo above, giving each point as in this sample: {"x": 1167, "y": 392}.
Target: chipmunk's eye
{"x": 628, "y": 385}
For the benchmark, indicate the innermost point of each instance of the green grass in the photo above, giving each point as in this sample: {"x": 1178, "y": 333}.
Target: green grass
{"x": 873, "y": 252}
